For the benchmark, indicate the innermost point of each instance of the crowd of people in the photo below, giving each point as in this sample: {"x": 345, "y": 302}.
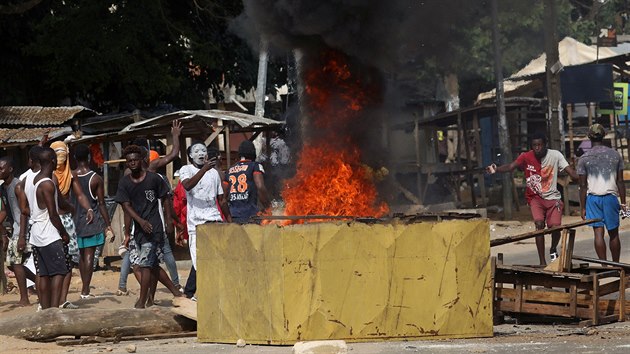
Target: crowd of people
{"x": 59, "y": 218}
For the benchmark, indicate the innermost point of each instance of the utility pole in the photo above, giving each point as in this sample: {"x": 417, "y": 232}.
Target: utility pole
{"x": 554, "y": 116}
{"x": 259, "y": 94}
{"x": 262, "y": 79}
{"x": 504, "y": 134}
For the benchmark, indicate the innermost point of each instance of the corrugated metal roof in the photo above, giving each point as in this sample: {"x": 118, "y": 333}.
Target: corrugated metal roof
{"x": 242, "y": 119}
{"x": 35, "y": 115}
{"x": 570, "y": 51}
{"x": 10, "y": 136}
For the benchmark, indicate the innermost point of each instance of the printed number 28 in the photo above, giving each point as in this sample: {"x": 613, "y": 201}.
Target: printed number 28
{"x": 242, "y": 183}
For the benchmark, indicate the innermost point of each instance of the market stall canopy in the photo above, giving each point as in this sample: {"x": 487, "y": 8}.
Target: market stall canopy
{"x": 571, "y": 52}
{"x": 194, "y": 123}
{"x": 242, "y": 119}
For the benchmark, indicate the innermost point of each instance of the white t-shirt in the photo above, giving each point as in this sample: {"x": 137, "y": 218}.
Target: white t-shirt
{"x": 43, "y": 232}
{"x": 202, "y": 198}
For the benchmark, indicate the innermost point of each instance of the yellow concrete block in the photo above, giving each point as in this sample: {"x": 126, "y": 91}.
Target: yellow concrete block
{"x": 350, "y": 281}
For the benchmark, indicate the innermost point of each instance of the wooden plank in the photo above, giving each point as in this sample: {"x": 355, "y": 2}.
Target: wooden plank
{"x": 601, "y": 261}
{"x": 573, "y": 299}
{"x": 510, "y": 239}
{"x": 214, "y": 135}
{"x": 481, "y": 181}
{"x": 570, "y": 121}
{"x": 610, "y": 288}
{"x": 557, "y": 264}
{"x": 539, "y": 309}
{"x": 595, "y": 299}
{"x": 569, "y": 251}
{"x": 538, "y": 280}
{"x": 622, "y": 295}
{"x": 545, "y": 309}
{"x": 185, "y": 307}
{"x": 542, "y": 295}
{"x": 533, "y": 270}
{"x": 612, "y": 306}
{"x": 519, "y": 297}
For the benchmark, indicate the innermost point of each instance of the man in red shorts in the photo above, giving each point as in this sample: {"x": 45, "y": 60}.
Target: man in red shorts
{"x": 541, "y": 166}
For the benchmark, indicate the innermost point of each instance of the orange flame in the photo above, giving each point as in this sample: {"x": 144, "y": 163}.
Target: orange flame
{"x": 330, "y": 178}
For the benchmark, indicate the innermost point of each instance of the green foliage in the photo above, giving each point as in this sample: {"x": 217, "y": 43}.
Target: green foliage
{"x": 113, "y": 53}
{"x": 522, "y": 34}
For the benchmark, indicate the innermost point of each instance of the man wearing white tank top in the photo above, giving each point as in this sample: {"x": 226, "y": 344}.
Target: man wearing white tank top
{"x": 48, "y": 234}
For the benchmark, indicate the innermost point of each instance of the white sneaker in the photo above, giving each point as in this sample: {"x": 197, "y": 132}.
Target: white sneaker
{"x": 553, "y": 256}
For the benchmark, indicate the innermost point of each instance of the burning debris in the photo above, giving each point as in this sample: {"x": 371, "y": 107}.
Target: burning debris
{"x": 331, "y": 179}
{"x": 345, "y": 48}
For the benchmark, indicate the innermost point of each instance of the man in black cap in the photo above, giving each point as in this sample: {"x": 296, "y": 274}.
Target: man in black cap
{"x": 246, "y": 185}
{"x": 600, "y": 173}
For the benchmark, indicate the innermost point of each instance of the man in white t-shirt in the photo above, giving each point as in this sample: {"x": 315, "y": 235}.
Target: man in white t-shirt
{"x": 204, "y": 194}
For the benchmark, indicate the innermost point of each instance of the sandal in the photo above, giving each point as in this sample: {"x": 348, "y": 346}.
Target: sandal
{"x": 121, "y": 292}
{"x": 68, "y": 305}
{"x": 88, "y": 296}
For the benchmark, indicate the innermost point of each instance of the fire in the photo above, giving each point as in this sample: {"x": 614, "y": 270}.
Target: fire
{"x": 331, "y": 179}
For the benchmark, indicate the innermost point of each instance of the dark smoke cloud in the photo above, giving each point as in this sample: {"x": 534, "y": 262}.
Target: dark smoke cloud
{"x": 383, "y": 34}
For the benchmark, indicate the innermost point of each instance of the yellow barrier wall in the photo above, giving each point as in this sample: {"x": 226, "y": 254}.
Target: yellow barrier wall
{"x": 352, "y": 281}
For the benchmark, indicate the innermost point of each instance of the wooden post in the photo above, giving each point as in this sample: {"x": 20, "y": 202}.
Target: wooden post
{"x": 570, "y": 119}
{"x": 622, "y": 295}
{"x": 182, "y": 150}
{"x": 228, "y": 150}
{"x": 106, "y": 168}
{"x": 595, "y": 299}
{"x": 416, "y": 137}
{"x": 568, "y": 258}
{"x": 478, "y": 152}
{"x": 613, "y": 140}
{"x": 573, "y": 301}
{"x": 504, "y": 135}
{"x": 3, "y": 277}
{"x": 169, "y": 167}
{"x": 461, "y": 126}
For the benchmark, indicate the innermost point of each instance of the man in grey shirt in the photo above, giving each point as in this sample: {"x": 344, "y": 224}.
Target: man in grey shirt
{"x": 600, "y": 173}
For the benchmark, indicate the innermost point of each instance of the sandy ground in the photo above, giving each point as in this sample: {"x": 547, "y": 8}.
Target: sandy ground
{"x": 508, "y": 337}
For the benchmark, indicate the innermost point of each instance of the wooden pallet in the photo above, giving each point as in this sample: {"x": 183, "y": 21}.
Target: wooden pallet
{"x": 577, "y": 295}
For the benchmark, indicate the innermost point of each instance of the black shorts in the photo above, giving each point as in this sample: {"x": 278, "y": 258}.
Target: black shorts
{"x": 51, "y": 260}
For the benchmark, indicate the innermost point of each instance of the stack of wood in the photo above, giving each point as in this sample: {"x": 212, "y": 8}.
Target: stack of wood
{"x": 562, "y": 289}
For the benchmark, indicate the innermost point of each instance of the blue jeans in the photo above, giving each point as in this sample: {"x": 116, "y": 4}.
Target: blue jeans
{"x": 169, "y": 259}
{"x": 124, "y": 271}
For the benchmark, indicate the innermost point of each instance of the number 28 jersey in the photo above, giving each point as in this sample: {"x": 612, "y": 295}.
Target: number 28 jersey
{"x": 242, "y": 191}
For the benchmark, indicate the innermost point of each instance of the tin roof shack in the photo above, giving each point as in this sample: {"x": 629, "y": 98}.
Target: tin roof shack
{"x": 23, "y": 126}
{"x": 227, "y": 129}
{"x": 530, "y": 82}
{"x": 446, "y": 167}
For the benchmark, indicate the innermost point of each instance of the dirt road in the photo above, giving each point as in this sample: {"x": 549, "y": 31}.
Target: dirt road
{"x": 613, "y": 338}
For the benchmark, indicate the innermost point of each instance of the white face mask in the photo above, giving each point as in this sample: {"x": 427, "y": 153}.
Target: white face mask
{"x": 198, "y": 154}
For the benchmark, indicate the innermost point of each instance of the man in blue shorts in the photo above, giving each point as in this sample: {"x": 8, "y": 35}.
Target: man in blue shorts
{"x": 600, "y": 173}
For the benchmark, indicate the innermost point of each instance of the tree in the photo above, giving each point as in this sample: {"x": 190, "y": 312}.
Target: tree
{"x": 107, "y": 54}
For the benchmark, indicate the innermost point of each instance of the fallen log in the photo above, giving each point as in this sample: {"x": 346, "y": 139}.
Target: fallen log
{"x": 52, "y": 323}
